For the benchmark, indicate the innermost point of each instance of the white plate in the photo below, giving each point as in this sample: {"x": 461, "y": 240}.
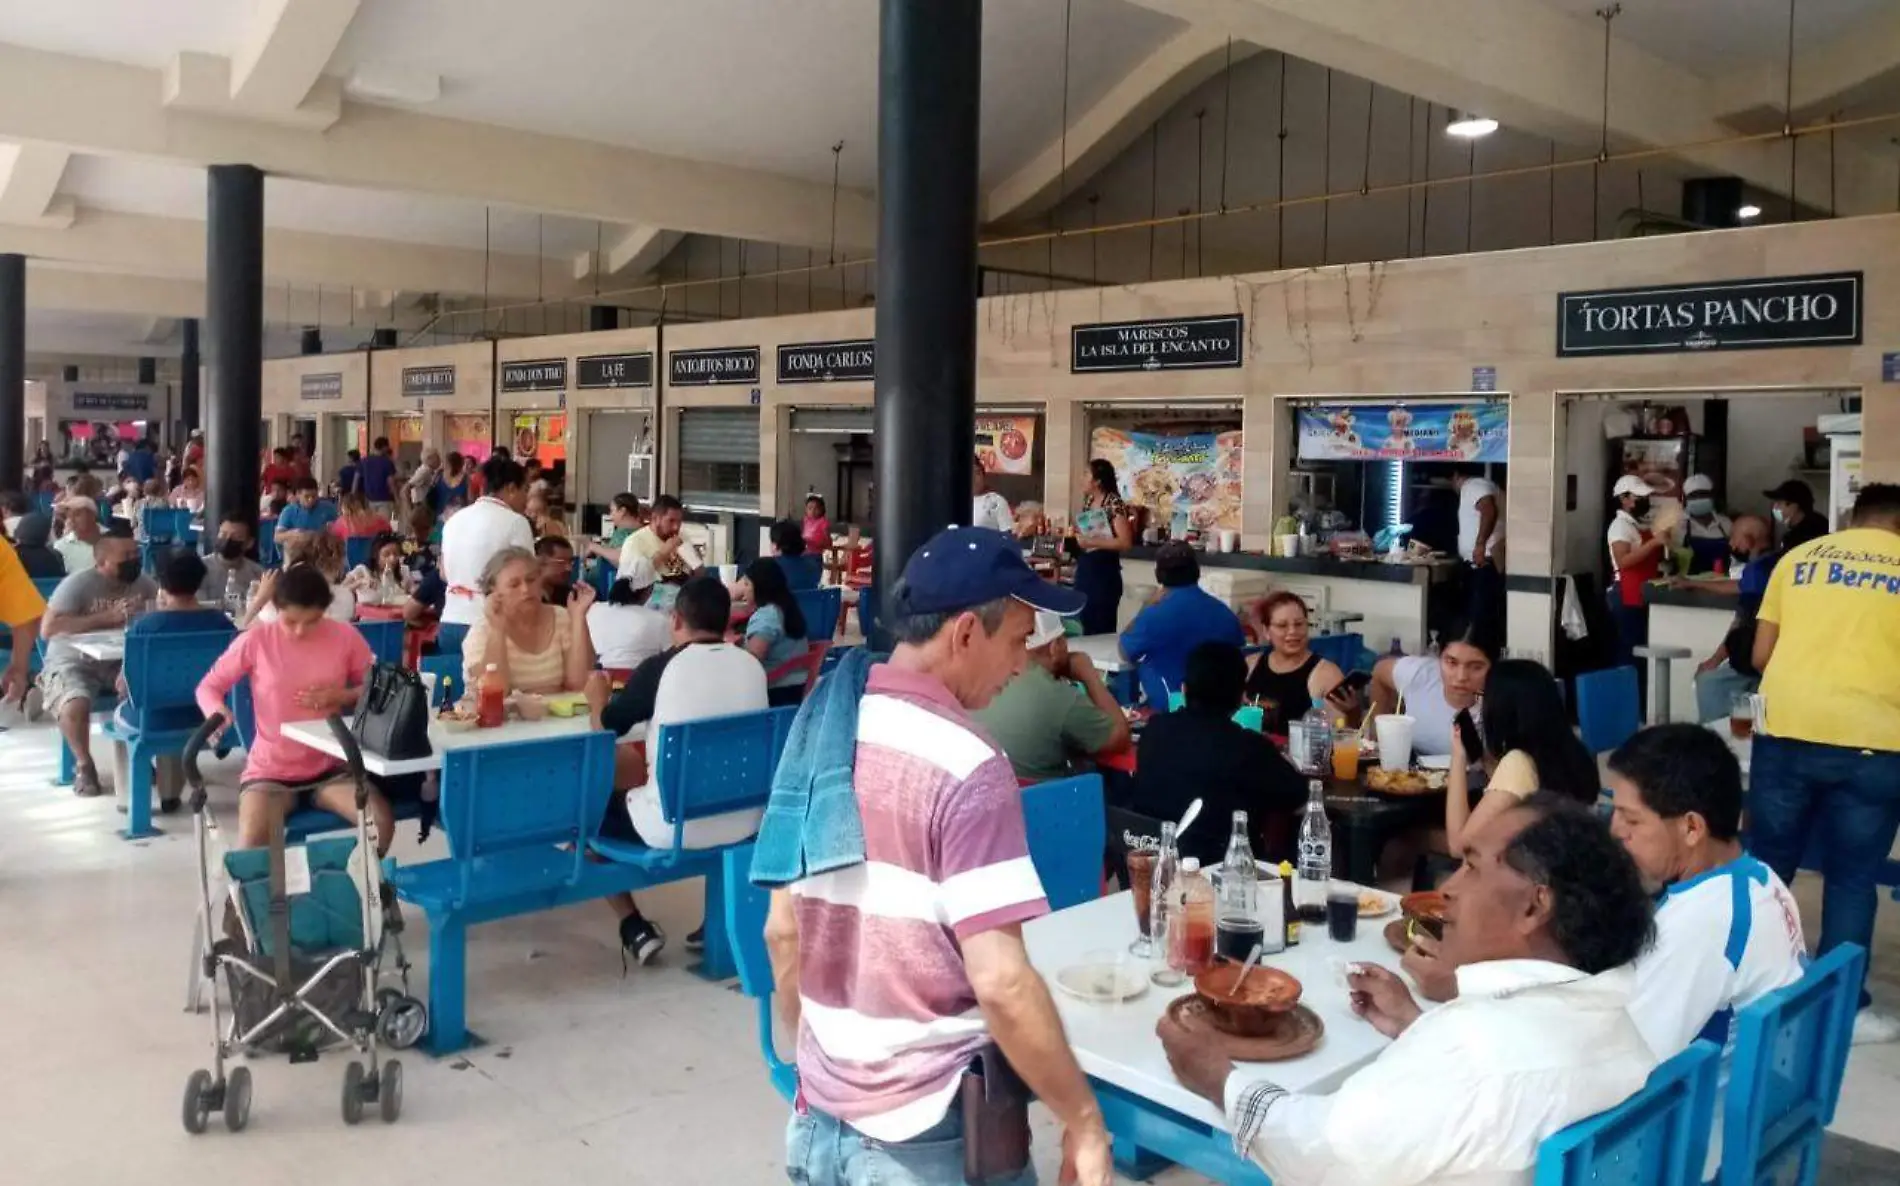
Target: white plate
{"x": 1433, "y": 761}
{"x": 1104, "y": 983}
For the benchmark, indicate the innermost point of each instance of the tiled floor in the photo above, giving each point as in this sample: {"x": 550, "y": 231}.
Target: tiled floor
{"x": 587, "y": 1076}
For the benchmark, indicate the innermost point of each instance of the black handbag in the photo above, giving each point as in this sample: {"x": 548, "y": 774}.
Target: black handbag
{"x": 392, "y": 716}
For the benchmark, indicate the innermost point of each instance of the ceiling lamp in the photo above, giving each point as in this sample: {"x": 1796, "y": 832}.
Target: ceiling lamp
{"x": 1467, "y": 126}
{"x": 1750, "y": 211}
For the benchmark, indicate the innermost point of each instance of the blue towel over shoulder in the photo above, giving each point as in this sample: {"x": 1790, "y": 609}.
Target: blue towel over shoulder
{"x": 811, "y": 822}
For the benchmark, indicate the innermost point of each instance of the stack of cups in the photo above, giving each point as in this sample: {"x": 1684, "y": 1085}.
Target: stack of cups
{"x": 1395, "y": 742}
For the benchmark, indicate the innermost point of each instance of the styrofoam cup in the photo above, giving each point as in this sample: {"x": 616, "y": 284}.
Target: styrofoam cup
{"x": 1395, "y": 741}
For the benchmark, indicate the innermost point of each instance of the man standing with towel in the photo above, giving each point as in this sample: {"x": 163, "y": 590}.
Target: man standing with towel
{"x": 911, "y": 879}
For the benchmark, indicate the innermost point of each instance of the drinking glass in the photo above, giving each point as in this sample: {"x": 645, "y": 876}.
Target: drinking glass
{"x": 1741, "y": 716}
{"x": 1346, "y": 755}
{"x": 1342, "y": 912}
{"x": 1141, "y": 874}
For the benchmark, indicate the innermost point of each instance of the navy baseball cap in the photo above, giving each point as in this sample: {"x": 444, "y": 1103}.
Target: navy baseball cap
{"x": 961, "y": 568}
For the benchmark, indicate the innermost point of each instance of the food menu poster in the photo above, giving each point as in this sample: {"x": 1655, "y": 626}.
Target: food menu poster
{"x": 1406, "y": 432}
{"x": 543, "y": 438}
{"x": 468, "y": 435}
{"x": 1191, "y": 481}
{"x": 1005, "y": 444}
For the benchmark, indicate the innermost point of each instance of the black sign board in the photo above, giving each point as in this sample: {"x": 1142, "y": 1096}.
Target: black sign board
{"x": 109, "y": 401}
{"x": 699, "y": 368}
{"x": 328, "y": 385}
{"x": 1176, "y": 343}
{"x": 423, "y": 381}
{"x": 827, "y": 362}
{"x": 1822, "y": 310}
{"x": 598, "y": 371}
{"x": 538, "y": 374}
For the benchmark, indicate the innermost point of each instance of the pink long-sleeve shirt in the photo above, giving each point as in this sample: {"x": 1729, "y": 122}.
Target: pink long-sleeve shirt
{"x": 330, "y": 654}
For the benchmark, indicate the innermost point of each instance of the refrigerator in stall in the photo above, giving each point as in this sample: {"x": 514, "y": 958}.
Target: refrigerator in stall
{"x": 1843, "y": 473}
{"x": 1664, "y": 462}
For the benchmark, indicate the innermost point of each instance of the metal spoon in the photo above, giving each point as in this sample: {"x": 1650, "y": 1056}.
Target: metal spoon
{"x": 1258, "y": 950}
{"x": 1192, "y": 813}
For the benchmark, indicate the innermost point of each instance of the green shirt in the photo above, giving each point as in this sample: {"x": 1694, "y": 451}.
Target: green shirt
{"x": 1040, "y": 721}
{"x": 619, "y": 537}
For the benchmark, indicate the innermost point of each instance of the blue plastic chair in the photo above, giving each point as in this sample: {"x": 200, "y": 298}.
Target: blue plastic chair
{"x": 1785, "y": 1076}
{"x": 746, "y": 907}
{"x": 1067, "y": 824}
{"x": 1607, "y": 708}
{"x": 162, "y": 671}
{"x": 449, "y": 637}
{"x": 384, "y": 639}
{"x": 1657, "y": 1137}
{"x": 867, "y": 613}
{"x": 268, "y": 553}
{"x": 1341, "y": 649}
{"x": 43, "y": 501}
{"x": 823, "y": 610}
{"x": 604, "y": 576}
{"x": 357, "y": 550}
{"x": 46, "y": 585}
{"x": 165, "y": 525}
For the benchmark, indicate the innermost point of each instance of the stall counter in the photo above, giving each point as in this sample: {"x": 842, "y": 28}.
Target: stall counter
{"x": 1391, "y": 597}
{"x": 1695, "y": 618}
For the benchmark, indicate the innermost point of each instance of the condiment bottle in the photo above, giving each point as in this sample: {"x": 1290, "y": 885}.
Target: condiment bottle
{"x": 491, "y": 695}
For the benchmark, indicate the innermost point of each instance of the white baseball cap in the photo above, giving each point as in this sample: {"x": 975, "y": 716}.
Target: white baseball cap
{"x": 1631, "y": 484}
{"x": 1048, "y": 629}
{"x": 640, "y": 574}
{"x": 1698, "y": 484}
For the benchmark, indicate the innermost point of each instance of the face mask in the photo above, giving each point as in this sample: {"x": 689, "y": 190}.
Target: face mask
{"x": 231, "y": 549}
{"x": 1779, "y": 517}
{"x": 1702, "y": 507}
{"x": 1641, "y": 509}
{"x": 126, "y": 571}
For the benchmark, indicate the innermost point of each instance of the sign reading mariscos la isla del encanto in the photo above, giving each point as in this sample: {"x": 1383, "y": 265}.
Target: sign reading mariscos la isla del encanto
{"x": 321, "y": 385}
{"x": 1822, "y": 310}
{"x": 535, "y": 374}
{"x": 423, "y": 381}
{"x": 1177, "y": 343}
{"x": 702, "y": 368}
{"x": 827, "y": 362}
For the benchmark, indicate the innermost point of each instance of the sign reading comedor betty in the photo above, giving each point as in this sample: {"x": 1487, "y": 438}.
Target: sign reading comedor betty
{"x": 699, "y": 368}
{"x": 320, "y": 385}
{"x": 827, "y": 362}
{"x": 421, "y": 381}
{"x": 109, "y": 401}
{"x": 1177, "y": 343}
{"x": 599, "y": 371}
{"x": 1820, "y": 310}
{"x": 534, "y": 374}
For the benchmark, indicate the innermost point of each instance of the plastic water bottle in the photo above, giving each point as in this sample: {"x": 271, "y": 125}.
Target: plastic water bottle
{"x": 1316, "y": 857}
{"x": 1167, "y": 863}
{"x": 234, "y": 602}
{"x": 1310, "y": 739}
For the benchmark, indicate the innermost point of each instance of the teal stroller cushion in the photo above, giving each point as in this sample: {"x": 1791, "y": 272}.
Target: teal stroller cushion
{"x": 325, "y": 920}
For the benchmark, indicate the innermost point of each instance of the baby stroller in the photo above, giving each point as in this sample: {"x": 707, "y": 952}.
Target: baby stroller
{"x": 307, "y": 977}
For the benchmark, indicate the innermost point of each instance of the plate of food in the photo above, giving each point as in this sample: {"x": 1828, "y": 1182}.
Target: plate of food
{"x": 457, "y": 718}
{"x": 1404, "y": 782}
{"x": 1433, "y": 761}
{"x": 1376, "y": 903}
{"x": 1104, "y": 980}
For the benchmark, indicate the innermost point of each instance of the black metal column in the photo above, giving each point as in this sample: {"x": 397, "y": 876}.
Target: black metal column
{"x": 234, "y": 315}
{"x": 189, "y": 364}
{"x": 929, "y": 74}
{"x": 12, "y": 372}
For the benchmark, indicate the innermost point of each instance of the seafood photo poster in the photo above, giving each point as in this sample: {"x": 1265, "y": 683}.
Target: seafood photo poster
{"x": 1190, "y": 480}
{"x": 1006, "y": 444}
{"x": 1478, "y": 431}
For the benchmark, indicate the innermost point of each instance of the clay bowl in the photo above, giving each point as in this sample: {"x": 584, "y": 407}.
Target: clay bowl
{"x": 1424, "y": 911}
{"x": 1256, "y": 1010}
{"x": 531, "y": 707}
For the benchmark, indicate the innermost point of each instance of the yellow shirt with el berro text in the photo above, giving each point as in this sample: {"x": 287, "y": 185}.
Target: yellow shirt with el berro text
{"x": 1834, "y": 677}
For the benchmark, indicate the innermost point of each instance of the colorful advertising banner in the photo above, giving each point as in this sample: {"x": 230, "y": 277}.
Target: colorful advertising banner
{"x": 1406, "y": 432}
{"x": 1005, "y": 444}
{"x": 1188, "y": 481}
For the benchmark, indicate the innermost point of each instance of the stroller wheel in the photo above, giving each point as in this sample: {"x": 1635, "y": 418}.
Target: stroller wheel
{"x": 197, "y": 1101}
{"x": 389, "y": 1097}
{"x": 401, "y": 1020}
{"x": 237, "y": 1099}
{"x": 353, "y": 1092}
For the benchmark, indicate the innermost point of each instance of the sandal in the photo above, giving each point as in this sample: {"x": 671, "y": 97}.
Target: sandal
{"x": 86, "y": 784}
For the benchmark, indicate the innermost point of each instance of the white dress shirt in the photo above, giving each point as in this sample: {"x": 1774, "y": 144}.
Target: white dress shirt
{"x": 1466, "y": 1094}
{"x": 470, "y": 537}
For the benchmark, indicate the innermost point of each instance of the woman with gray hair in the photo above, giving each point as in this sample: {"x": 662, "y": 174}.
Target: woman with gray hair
{"x": 536, "y": 647}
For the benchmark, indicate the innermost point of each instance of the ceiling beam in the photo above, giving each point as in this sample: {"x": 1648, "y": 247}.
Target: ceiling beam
{"x": 1533, "y": 68}
{"x": 111, "y": 108}
{"x": 1863, "y": 55}
{"x": 175, "y": 247}
{"x": 1112, "y": 123}
{"x": 29, "y": 186}
{"x": 54, "y": 288}
{"x": 285, "y": 50}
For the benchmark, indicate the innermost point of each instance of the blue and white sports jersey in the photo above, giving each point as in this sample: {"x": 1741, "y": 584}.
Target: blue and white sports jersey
{"x": 1723, "y": 939}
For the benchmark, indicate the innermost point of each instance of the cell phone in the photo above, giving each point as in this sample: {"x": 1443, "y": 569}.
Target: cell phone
{"x": 1353, "y": 686}
{"x": 1468, "y": 733}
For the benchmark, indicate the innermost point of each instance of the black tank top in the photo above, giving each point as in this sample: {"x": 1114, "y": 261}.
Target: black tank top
{"x": 1283, "y": 693}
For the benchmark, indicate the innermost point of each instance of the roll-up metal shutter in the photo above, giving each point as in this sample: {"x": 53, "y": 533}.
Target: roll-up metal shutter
{"x": 719, "y": 458}
{"x": 834, "y": 420}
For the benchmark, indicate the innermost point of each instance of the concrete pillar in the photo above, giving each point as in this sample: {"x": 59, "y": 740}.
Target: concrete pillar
{"x": 189, "y": 363}
{"x": 234, "y": 307}
{"x": 12, "y": 372}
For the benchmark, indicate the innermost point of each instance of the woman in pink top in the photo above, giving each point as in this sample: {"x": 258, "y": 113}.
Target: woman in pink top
{"x": 303, "y": 666}
{"x": 816, "y": 528}
{"x": 355, "y": 518}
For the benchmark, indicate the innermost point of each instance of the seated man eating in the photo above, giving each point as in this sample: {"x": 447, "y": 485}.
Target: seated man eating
{"x": 1541, "y": 919}
{"x": 100, "y": 597}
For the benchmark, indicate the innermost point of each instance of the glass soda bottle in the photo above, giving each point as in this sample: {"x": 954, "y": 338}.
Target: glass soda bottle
{"x": 1316, "y": 857}
{"x": 1314, "y": 752}
{"x": 1237, "y": 921}
{"x": 1167, "y": 866}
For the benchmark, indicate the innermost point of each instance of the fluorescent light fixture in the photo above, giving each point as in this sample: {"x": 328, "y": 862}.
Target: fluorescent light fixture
{"x": 1467, "y": 126}
{"x": 1747, "y": 212}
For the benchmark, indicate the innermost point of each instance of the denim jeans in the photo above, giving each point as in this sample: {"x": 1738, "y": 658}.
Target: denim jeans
{"x": 1715, "y": 692}
{"x": 822, "y": 1151}
{"x": 1631, "y": 623}
{"x": 1853, "y": 797}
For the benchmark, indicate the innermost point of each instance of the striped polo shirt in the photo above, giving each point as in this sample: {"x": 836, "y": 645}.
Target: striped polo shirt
{"x": 888, "y": 1021}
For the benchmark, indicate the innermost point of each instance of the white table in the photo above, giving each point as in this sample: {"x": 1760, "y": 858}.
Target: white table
{"x": 1117, "y": 1043}
{"x": 316, "y": 735}
{"x": 103, "y": 646}
{"x": 1103, "y": 650}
